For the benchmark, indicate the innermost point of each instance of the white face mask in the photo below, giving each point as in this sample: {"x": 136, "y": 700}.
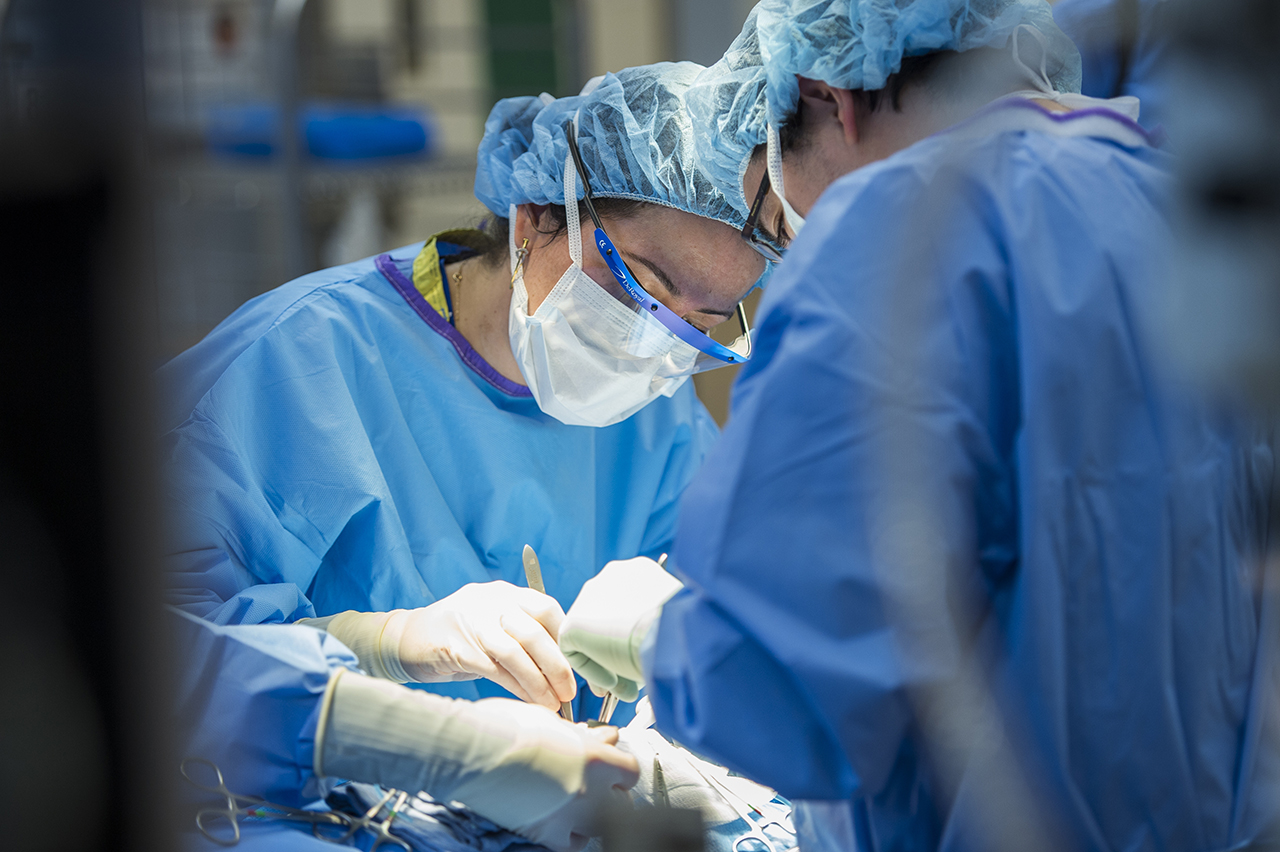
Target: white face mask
{"x": 588, "y": 358}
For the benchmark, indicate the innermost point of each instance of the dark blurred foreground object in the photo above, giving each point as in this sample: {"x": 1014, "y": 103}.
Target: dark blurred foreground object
{"x": 80, "y": 726}
{"x": 1225, "y": 122}
{"x": 660, "y": 829}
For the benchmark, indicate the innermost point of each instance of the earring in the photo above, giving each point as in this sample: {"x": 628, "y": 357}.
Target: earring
{"x": 521, "y": 254}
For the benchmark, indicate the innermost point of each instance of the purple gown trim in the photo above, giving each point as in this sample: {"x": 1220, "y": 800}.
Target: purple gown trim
{"x": 1154, "y": 138}
{"x": 441, "y": 326}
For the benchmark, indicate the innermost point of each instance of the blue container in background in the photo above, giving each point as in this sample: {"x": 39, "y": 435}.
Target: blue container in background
{"x": 333, "y": 131}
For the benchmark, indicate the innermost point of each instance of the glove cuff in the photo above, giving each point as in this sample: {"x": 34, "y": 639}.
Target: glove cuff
{"x": 512, "y": 763}
{"x": 374, "y": 637}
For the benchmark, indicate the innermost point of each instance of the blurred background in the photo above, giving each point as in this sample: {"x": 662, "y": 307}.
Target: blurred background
{"x": 393, "y": 95}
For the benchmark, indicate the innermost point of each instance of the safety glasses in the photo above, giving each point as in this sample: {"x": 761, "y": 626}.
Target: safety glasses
{"x": 751, "y": 230}
{"x": 711, "y": 354}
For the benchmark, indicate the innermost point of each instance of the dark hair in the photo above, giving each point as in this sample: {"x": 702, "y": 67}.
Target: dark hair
{"x": 555, "y": 223}
{"x": 915, "y": 70}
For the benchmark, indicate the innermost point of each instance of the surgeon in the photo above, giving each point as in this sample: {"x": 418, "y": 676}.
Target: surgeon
{"x": 281, "y": 712}
{"x": 968, "y": 569}
{"x": 371, "y": 447}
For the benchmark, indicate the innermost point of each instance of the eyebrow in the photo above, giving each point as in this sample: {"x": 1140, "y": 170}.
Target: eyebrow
{"x": 671, "y": 285}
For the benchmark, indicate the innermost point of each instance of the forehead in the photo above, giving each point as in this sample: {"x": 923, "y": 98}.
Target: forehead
{"x": 707, "y": 260}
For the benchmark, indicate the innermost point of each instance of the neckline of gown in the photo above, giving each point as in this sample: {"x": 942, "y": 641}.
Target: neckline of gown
{"x": 473, "y": 359}
{"x": 1015, "y": 114}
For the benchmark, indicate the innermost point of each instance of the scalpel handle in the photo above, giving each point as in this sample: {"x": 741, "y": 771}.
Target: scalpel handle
{"x": 533, "y": 576}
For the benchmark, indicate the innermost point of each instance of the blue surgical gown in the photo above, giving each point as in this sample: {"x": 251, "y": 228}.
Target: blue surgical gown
{"x": 1112, "y": 66}
{"x": 335, "y": 445}
{"x": 247, "y": 698}
{"x": 1105, "y": 526}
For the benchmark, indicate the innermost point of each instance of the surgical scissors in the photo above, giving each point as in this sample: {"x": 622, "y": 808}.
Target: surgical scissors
{"x": 238, "y": 806}
{"x": 755, "y": 828}
{"x": 380, "y": 829}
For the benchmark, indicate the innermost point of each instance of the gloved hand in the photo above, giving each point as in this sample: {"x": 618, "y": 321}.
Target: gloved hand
{"x": 602, "y": 633}
{"x": 493, "y": 630}
{"x": 516, "y": 764}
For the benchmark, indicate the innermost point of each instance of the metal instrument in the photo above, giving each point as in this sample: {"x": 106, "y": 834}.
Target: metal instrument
{"x": 221, "y": 825}
{"x": 379, "y": 828}
{"x": 533, "y": 576}
{"x": 755, "y": 840}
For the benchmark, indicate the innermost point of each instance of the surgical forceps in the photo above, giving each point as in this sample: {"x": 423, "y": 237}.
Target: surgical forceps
{"x": 237, "y": 806}
{"x": 326, "y": 825}
{"x": 380, "y": 829}
{"x": 755, "y": 828}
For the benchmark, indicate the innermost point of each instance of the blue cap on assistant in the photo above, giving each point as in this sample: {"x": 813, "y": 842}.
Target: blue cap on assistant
{"x": 851, "y": 44}
{"x": 635, "y": 136}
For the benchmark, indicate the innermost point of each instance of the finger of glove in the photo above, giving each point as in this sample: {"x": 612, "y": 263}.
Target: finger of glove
{"x": 609, "y": 767}
{"x": 510, "y": 655}
{"x": 478, "y": 662}
{"x": 600, "y": 679}
{"x": 544, "y": 609}
{"x": 607, "y": 734}
{"x": 542, "y": 648}
{"x": 626, "y": 689}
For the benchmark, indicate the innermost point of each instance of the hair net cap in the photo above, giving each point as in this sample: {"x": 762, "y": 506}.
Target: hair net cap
{"x": 857, "y": 44}
{"x": 851, "y": 44}
{"x": 635, "y": 136}
{"x": 727, "y": 105}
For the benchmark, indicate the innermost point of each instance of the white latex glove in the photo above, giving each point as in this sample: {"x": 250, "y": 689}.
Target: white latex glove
{"x": 602, "y": 634}
{"x": 574, "y": 824}
{"x": 519, "y": 765}
{"x": 493, "y": 630}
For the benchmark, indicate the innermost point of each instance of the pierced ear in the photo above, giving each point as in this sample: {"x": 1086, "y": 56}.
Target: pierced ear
{"x": 528, "y": 218}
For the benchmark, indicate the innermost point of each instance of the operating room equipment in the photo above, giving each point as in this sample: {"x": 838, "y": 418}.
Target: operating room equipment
{"x": 738, "y": 815}
{"x": 221, "y": 824}
{"x": 379, "y": 828}
{"x": 533, "y": 576}
{"x": 429, "y": 825}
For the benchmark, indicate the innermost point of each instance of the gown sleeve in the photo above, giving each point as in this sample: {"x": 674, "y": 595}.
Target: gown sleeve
{"x": 781, "y": 658}
{"x": 216, "y": 515}
{"x": 248, "y": 699}
{"x": 273, "y": 472}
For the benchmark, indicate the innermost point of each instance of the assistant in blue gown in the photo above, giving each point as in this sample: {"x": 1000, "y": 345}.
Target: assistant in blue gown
{"x": 1107, "y": 526}
{"x": 336, "y": 445}
{"x": 247, "y": 699}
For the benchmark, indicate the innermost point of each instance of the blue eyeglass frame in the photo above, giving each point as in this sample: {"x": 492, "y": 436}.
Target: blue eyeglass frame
{"x": 675, "y": 324}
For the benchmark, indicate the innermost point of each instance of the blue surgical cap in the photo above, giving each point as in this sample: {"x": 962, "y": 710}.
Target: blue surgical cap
{"x": 727, "y": 106}
{"x": 851, "y": 44}
{"x": 635, "y": 136}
